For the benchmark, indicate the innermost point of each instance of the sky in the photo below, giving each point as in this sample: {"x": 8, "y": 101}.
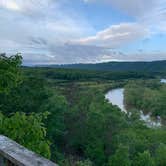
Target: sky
{"x": 83, "y": 31}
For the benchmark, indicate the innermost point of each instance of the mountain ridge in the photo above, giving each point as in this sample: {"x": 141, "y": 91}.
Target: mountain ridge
{"x": 153, "y": 66}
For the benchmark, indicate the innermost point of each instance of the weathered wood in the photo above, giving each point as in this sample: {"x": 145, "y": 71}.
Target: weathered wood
{"x": 19, "y": 155}
{"x": 2, "y": 161}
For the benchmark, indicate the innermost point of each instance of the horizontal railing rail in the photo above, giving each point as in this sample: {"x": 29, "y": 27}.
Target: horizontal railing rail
{"x": 13, "y": 154}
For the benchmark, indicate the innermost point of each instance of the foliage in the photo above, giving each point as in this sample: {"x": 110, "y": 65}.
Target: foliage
{"x": 147, "y": 97}
{"x": 84, "y": 163}
{"x": 9, "y": 72}
{"x": 121, "y": 157}
{"x": 161, "y": 155}
{"x": 84, "y": 75}
{"x": 143, "y": 159}
{"x": 26, "y": 130}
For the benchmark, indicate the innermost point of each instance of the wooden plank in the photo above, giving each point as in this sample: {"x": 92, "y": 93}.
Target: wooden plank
{"x": 21, "y": 156}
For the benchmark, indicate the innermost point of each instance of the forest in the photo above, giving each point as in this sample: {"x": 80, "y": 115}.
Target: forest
{"x": 62, "y": 114}
{"x": 147, "y": 96}
{"x": 152, "y": 66}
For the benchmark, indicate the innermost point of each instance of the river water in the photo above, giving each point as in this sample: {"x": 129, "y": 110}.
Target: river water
{"x": 116, "y": 97}
{"x": 163, "y": 80}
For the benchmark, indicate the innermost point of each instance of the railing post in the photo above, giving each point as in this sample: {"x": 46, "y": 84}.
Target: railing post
{"x": 2, "y": 163}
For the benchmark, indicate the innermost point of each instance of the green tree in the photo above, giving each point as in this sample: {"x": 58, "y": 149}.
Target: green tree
{"x": 161, "y": 155}
{"x": 29, "y": 131}
{"x": 143, "y": 159}
{"x": 121, "y": 157}
{"x": 26, "y": 130}
{"x": 55, "y": 123}
{"x": 84, "y": 163}
{"x": 9, "y": 72}
{"x": 30, "y": 96}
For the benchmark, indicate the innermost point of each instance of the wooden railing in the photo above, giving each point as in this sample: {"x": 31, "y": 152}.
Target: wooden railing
{"x": 13, "y": 154}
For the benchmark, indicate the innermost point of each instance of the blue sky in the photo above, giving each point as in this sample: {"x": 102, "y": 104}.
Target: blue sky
{"x": 83, "y": 31}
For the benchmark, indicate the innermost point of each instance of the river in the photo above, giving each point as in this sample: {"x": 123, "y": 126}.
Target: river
{"x": 116, "y": 97}
{"x": 163, "y": 80}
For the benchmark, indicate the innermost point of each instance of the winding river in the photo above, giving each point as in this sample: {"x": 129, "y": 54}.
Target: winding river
{"x": 116, "y": 97}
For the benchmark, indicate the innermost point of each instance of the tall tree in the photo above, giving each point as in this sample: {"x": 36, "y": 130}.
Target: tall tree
{"x": 143, "y": 159}
{"x": 161, "y": 155}
{"x": 121, "y": 157}
{"x": 9, "y": 71}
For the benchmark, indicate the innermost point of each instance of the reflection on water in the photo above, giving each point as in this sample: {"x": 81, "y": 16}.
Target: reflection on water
{"x": 116, "y": 97}
{"x": 163, "y": 81}
{"x": 147, "y": 118}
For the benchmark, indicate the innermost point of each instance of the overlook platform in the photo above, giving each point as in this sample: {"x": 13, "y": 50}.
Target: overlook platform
{"x": 13, "y": 154}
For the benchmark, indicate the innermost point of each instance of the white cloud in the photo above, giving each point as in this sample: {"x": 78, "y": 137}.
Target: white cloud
{"x": 30, "y": 7}
{"x": 38, "y": 26}
{"x": 68, "y": 53}
{"x": 11, "y": 5}
{"x": 140, "y": 56}
{"x": 116, "y": 35}
{"x": 87, "y": 54}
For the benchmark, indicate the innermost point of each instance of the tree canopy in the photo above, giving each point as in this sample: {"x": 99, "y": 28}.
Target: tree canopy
{"x": 9, "y": 71}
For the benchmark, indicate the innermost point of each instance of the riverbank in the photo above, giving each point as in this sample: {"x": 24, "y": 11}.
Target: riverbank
{"x": 116, "y": 97}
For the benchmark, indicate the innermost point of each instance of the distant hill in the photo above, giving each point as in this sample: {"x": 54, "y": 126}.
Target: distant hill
{"x": 154, "y": 66}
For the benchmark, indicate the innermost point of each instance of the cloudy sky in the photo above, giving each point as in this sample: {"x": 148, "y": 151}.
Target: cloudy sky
{"x": 83, "y": 31}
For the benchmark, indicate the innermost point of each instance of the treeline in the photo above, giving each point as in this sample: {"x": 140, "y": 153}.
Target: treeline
{"x": 88, "y": 131}
{"x": 75, "y": 75}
